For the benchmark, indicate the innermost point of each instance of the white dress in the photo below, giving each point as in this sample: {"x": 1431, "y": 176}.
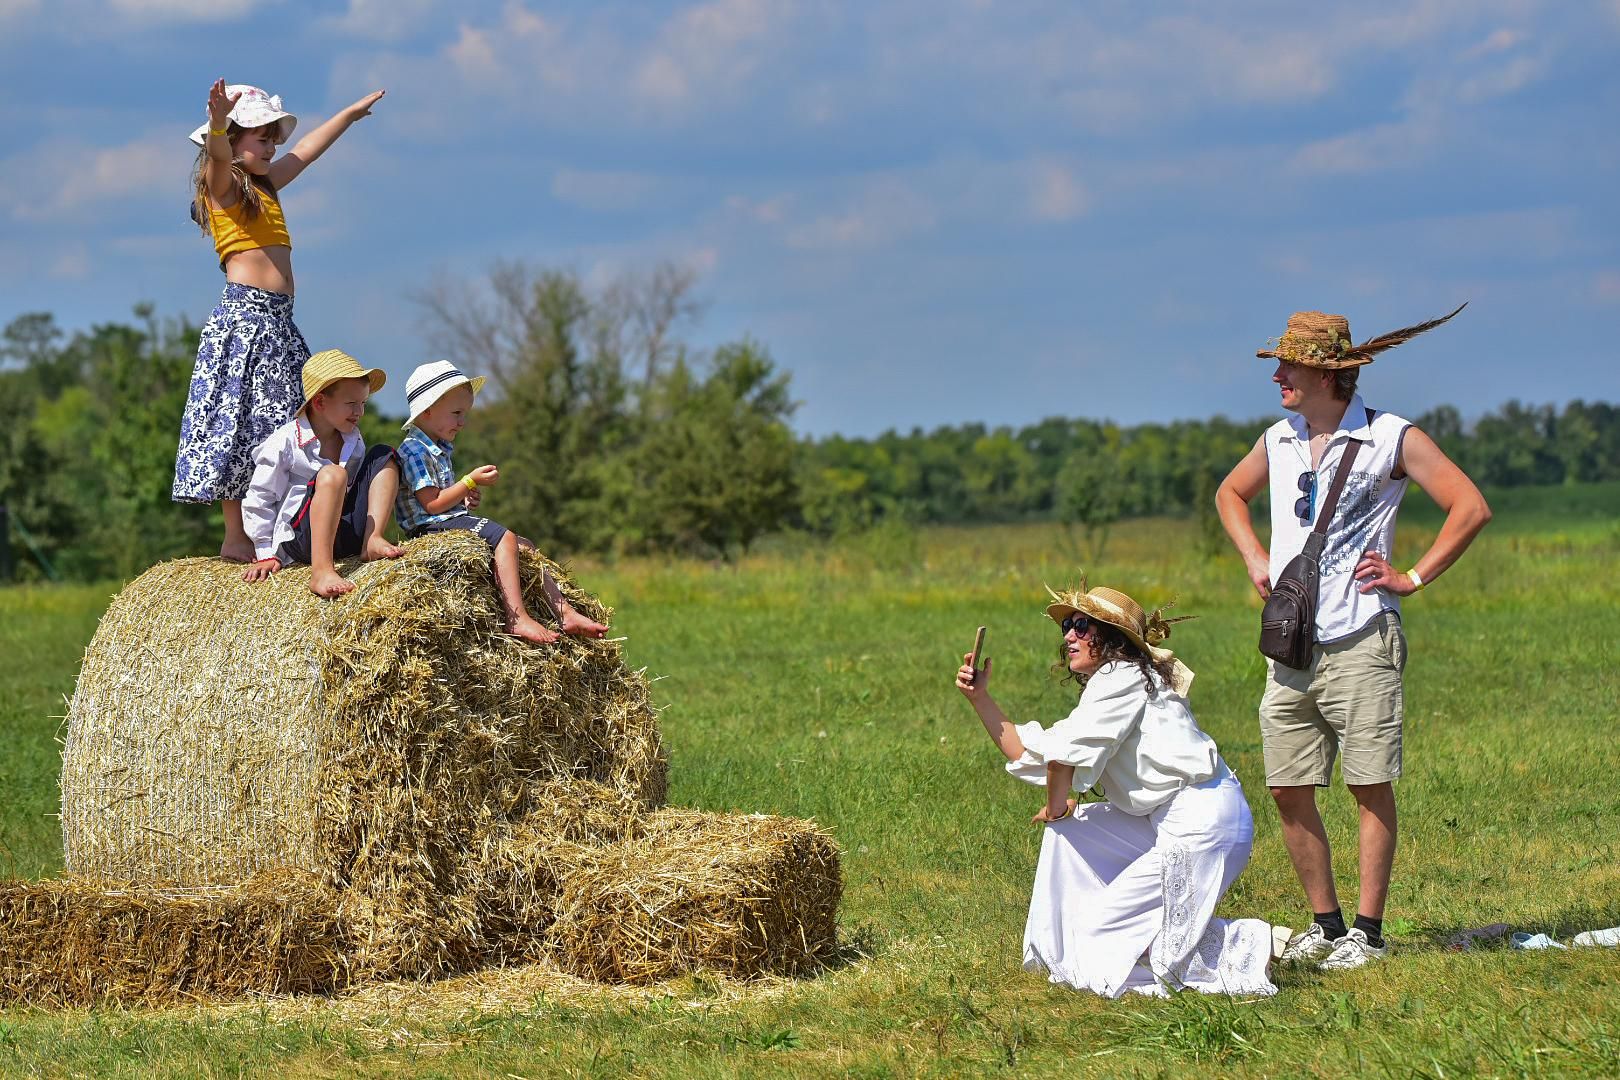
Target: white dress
{"x": 1125, "y": 891}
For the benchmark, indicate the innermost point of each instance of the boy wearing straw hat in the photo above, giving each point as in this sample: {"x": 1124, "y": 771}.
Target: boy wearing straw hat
{"x": 318, "y": 495}
{"x": 433, "y": 499}
{"x": 1348, "y": 699}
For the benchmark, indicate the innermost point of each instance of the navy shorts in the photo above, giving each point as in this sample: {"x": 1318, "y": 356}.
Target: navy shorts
{"x": 491, "y": 531}
{"x": 351, "y": 530}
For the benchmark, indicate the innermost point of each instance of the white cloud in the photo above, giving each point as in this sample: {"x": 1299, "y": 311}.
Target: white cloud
{"x": 72, "y": 264}
{"x": 884, "y": 211}
{"x": 1055, "y": 193}
{"x": 597, "y": 67}
{"x": 62, "y": 179}
{"x": 183, "y": 10}
{"x": 761, "y": 212}
{"x": 1375, "y": 149}
{"x": 707, "y": 49}
{"x": 381, "y": 20}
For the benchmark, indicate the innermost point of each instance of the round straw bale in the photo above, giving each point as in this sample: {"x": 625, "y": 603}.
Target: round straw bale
{"x": 220, "y": 728}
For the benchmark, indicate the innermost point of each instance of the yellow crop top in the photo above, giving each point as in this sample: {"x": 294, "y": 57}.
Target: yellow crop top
{"x": 234, "y": 231}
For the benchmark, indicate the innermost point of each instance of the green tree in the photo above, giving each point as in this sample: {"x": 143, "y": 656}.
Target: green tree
{"x": 1091, "y": 494}
{"x": 716, "y": 468}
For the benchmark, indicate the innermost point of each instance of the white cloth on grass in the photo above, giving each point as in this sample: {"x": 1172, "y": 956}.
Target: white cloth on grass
{"x": 1142, "y": 749}
{"x": 1113, "y": 888}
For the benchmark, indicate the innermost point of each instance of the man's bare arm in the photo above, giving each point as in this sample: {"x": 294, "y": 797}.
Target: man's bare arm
{"x": 1246, "y": 480}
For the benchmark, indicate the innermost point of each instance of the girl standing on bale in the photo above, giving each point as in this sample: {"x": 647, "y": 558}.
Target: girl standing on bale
{"x": 246, "y": 381}
{"x": 1126, "y": 889}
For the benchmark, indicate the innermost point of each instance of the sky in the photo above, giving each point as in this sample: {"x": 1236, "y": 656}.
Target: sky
{"x": 929, "y": 211}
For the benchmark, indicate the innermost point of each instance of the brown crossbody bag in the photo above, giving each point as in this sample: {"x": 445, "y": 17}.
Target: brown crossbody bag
{"x": 1288, "y": 621}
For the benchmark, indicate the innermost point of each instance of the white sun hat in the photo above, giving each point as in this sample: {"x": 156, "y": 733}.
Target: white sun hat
{"x": 431, "y": 381}
{"x": 255, "y": 108}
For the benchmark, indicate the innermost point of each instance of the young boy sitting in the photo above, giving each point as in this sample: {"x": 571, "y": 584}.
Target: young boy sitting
{"x": 432, "y": 499}
{"x": 318, "y": 495}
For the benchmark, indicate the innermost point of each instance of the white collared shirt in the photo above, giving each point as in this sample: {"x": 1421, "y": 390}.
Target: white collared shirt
{"x": 1141, "y": 749}
{"x": 1364, "y": 519}
{"x": 284, "y": 467}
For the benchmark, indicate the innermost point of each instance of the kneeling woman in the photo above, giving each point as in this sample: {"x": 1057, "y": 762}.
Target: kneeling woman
{"x": 1126, "y": 889}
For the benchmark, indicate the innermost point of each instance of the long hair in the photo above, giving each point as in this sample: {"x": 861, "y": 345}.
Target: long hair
{"x": 1113, "y": 645}
{"x": 247, "y": 186}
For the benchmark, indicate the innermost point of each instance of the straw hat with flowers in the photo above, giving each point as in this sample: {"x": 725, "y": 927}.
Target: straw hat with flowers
{"x": 1144, "y": 629}
{"x": 1318, "y": 340}
{"x": 334, "y": 365}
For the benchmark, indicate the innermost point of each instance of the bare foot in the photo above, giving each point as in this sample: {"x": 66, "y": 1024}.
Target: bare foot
{"x": 329, "y": 583}
{"x": 378, "y": 548}
{"x": 526, "y": 628}
{"x": 578, "y": 625}
{"x": 238, "y": 550}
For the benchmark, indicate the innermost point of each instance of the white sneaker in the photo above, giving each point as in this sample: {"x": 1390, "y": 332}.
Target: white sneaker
{"x": 1609, "y": 937}
{"x": 1352, "y": 951}
{"x": 1308, "y": 946}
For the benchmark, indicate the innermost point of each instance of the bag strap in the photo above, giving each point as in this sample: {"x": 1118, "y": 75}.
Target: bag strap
{"x": 1347, "y": 459}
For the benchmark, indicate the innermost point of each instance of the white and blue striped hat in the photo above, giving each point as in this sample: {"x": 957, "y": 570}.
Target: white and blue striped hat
{"x": 430, "y": 382}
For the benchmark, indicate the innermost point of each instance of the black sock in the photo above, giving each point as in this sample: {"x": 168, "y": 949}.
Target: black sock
{"x": 1332, "y": 923}
{"x": 1373, "y": 928}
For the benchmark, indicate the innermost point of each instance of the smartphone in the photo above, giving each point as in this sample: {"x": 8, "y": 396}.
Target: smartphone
{"x": 978, "y": 647}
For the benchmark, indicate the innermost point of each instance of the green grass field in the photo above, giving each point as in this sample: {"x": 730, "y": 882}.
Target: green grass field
{"x": 816, "y": 681}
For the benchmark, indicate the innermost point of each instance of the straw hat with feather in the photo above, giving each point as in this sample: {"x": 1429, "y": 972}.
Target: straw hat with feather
{"x": 1144, "y": 629}
{"x": 1318, "y": 340}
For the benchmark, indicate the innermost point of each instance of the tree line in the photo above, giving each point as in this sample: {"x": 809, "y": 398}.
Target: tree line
{"x": 616, "y": 436}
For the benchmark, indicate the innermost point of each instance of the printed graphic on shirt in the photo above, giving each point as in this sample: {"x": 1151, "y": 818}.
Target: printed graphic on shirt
{"x": 1355, "y": 523}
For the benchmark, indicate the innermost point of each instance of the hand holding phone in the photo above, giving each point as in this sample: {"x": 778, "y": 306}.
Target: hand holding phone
{"x": 978, "y": 647}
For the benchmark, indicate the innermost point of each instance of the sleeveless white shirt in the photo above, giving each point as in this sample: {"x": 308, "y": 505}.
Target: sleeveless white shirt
{"x": 1363, "y": 521}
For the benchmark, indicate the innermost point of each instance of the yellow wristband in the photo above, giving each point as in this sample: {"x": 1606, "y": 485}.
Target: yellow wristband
{"x": 221, "y": 131}
{"x": 1413, "y": 574}
{"x": 472, "y": 485}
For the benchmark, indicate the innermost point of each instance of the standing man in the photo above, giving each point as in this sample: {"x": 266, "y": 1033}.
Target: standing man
{"x": 1348, "y": 699}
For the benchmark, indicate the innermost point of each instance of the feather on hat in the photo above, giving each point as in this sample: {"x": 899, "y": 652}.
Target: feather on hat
{"x": 1318, "y": 340}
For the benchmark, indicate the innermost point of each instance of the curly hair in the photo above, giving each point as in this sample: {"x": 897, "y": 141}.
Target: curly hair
{"x": 1109, "y": 643}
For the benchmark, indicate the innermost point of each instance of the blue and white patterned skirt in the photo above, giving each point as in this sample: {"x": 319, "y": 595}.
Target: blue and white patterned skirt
{"x": 247, "y": 382}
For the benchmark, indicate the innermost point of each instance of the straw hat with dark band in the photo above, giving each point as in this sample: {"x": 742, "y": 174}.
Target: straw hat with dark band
{"x": 334, "y": 365}
{"x": 1144, "y": 629}
{"x": 1318, "y": 340}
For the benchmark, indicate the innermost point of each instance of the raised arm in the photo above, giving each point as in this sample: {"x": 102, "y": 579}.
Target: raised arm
{"x": 1466, "y": 514}
{"x": 996, "y": 724}
{"x": 286, "y": 168}
{"x": 217, "y": 172}
{"x": 1246, "y": 480}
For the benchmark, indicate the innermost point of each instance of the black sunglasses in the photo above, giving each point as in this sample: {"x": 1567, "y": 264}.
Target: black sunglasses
{"x": 1076, "y": 622}
{"x": 1303, "y": 504}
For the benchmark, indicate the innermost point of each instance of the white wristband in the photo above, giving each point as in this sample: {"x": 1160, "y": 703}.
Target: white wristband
{"x": 1413, "y": 574}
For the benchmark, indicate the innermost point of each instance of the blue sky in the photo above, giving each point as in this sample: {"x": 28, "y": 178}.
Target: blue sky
{"x": 931, "y": 211}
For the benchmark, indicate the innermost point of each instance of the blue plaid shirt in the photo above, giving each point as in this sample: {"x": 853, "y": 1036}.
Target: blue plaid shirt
{"x": 424, "y": 462}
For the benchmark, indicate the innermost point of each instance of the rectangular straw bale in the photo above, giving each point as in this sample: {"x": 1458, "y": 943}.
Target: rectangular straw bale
{"x": 515, "y": 870}
{"x": 72, "y": 942}
{"x": 740, "y": 895}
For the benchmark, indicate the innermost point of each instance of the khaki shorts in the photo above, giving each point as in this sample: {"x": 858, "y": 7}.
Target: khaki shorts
{"x": 1350, "y": 698}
